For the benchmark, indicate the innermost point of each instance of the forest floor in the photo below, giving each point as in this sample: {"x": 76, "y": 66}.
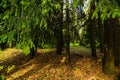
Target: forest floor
{"x": 46, "y": 65}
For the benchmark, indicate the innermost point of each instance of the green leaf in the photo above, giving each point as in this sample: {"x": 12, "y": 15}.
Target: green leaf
{"x": 95, "y": 15}
{"x": 43, "y": 22}
{"x": 25, "y": 2}
{"x": 2, "y": 77}
{"x": 104, "y": 16}
{"x": 44, "y": 11}
{"x": 4, "y": 3}
{"x": 57, "y": 6}
{"x": 116, "y": 14}
{"x": 16, "y": 11}
{"x": 10, "y": 68}
{"x": 37, "y": 20}
{"x": 26, "y": 44}
{"x": 3, "y": 38}
{"x": 6, "y": 16}
{"x": 1, "y": 67}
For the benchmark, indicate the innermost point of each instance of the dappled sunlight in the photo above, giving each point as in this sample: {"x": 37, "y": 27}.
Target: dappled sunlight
{"x": 39, "y": 50}
{"x": 21, "y": 72}
{"x": 60, "y": 40}
{"x": 8, "y": 52}
{"x": 49, "y": 66}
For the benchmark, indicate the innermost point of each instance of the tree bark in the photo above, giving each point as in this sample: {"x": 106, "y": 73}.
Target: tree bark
{"x": 60, "y": 25}
{"x": 108, "y": 60}
{"x": 93, "y": 43}
{"x": 33, "y": 50}
{"x": 117, "y": 41}
{"x": 91, "y": 30}
{"x": 32, "y": 53}
{"x": 101, "y": 34}
{"x": 67, "y": 33}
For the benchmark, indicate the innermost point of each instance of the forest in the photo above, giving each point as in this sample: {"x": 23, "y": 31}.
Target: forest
{"x": 59, "y": 40}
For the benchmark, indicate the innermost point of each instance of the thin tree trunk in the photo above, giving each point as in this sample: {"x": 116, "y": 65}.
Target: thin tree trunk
{"x": 93, "y": 43}
{"x": 33, "y": 50}
{"x": 101, "y": 34}
{"x": 32, "y": 53}
{"x": 67, "y": 33}
{"x": 59, "y": 39}
{"x": 91, "y": 29}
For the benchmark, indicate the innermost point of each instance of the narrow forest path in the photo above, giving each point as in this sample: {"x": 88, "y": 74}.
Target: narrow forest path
{"x": 46, "y": 65}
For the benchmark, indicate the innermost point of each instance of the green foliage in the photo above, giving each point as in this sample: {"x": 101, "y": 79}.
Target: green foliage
{"x": 84, "y": 37}
{"x": 23, "y": 22}
{"x": 2, "y": 77}
{"x": 1, "y": 67}
{"x": 95, "y": 15}
{"x": 4, "y": 3}
{"x": 77, "y": 2}
{"x": 108, "y": 8}
{"x": 26, "y": 45}
{"x": 10, "y": 68}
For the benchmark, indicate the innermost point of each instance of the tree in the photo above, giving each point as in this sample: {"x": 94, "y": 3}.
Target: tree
{"x": 101, "y": 33}
{"x": 108, "y": 64}
{"x": 91, "y": 29}
{"x": 24, "y": 21}
{"x": 60, "y": 27}
{"x": 116, "y": 41}
{"x": 109, "y": 10}
{"x": 67, "y": 33}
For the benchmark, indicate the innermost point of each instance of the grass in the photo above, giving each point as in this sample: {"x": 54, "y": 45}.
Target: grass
{"x": 76, "y": 48}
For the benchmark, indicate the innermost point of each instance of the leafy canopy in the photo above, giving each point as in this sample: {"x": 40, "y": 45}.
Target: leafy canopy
{"x": 22, "y": 20}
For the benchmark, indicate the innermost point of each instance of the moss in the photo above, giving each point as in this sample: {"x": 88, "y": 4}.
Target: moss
{"x": 109, "y": 68}
{"x": 109, "y": 65}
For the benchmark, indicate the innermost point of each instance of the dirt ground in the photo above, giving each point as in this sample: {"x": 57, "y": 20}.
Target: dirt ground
{"x": 46, "y": 65}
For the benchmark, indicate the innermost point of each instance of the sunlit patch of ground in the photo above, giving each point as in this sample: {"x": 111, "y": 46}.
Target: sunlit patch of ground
{"x": 9, "y": 52}
{"x": 49, "y": 66}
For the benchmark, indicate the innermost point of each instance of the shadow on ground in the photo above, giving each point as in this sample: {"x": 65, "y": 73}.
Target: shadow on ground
{"x": 49, "y": 66}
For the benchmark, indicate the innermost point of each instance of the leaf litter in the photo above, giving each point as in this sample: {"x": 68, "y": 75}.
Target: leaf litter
{"x": 49, "y": 66}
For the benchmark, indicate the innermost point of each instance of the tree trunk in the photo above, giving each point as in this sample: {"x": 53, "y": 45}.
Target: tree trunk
{"x": 33, "y": 50}
{"x": 32, "y": 53}
{"x": 117, "y": 41}
{"x": 93, "y": 43}
{"x": 91, "y": 30}
{"x": 67, "y": 33}
{"x": 101, "y": 33}
{"x": 108, "y": 61}
{"x": 60, "y": 25}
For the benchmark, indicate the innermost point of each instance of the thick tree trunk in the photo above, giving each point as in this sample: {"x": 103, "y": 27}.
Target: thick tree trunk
{"x": 59, "y": 39}
{"x": 117, "y": 41}
{"x": 101, "y": 34}
{"x": 108, "y": 61}
{"x": 67, "y": 33}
